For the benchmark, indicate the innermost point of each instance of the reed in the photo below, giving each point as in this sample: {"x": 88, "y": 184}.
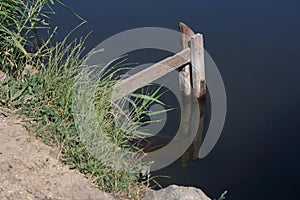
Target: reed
{"x": 45, "y": 93}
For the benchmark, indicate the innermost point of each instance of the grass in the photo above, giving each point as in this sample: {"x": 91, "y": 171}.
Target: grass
{"x": 223, "y": 196}
{"x": 42, "y": 78}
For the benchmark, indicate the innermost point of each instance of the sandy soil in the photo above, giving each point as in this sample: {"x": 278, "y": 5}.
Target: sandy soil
{"x": 30, "y": 170}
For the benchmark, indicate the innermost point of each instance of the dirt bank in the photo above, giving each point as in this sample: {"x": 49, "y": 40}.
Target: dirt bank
{"x": 31, "y": 170}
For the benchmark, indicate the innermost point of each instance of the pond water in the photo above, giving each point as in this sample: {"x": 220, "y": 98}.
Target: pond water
{"x": 256, "y": 46}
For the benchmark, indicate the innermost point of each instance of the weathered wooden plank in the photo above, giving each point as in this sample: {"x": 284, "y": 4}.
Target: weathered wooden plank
{"x": 186, "y": 34}
{"x": 148, "y": 75}
{"x": 197, "y": 61}
{"x": 185, "y": 73}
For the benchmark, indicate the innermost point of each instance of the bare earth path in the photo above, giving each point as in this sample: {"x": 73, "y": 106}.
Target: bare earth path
{"x": 30, "y": 171}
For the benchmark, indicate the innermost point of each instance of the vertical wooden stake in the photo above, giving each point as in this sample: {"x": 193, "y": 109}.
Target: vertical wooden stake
{"x": 185, "y": 74}
{"x": 198, "y": 69}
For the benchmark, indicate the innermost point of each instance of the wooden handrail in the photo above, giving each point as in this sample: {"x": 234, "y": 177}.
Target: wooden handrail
{"x": 191, "y": 79}
{"x": 146, "y": 76}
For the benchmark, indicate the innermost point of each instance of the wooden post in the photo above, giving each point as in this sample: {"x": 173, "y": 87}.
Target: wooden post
{"x": 197, "y": 61}
{"x": 197, "y": 83}
{"x": 191, "y": 76}
{"x": 185, "y": 73}
{"x": 185, "y": 81}
{"x": 191, "y": 80}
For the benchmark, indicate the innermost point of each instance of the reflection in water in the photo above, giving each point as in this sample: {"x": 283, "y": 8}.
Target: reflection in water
{"x": 185, "y": 132}
{"x": 193, "y": 150}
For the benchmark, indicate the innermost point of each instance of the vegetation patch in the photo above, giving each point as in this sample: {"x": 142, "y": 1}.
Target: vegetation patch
{"x": 38, "y": 80}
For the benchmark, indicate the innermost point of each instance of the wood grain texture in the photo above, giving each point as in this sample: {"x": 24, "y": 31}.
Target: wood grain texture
{"x": 197, "y": 61}
{"x": 185, "y": 73}
{"x": 148, "y": 75}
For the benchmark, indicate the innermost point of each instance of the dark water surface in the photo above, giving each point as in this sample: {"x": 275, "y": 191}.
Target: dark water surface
{"x": 256, "y": 46}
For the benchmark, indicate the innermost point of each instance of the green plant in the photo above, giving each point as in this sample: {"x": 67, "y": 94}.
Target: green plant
{"x": 45, "y": 94}
{"x": 222, "y": 197}
{"x": 20, "y": 42}
{"x": 22, "y": 22}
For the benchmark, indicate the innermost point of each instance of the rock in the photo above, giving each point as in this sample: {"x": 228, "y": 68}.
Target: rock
{"x": 174, "y": 192}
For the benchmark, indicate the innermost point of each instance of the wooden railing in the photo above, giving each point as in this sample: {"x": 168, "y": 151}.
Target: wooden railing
{"x": 190, "y": 61}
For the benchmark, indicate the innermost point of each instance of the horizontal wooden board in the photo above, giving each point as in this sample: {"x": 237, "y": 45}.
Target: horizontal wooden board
{"x": 148, "y": 75}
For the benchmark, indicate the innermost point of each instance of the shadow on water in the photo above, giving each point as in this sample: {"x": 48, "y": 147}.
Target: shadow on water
{"x": 195, "y": 139}
{"x": 189, "y": 120}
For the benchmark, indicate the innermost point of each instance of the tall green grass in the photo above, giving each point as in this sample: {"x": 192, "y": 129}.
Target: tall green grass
{"x": 22, "y": 22}
{"x": 20, "y": 42}
{"x": 45, "y": 95}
